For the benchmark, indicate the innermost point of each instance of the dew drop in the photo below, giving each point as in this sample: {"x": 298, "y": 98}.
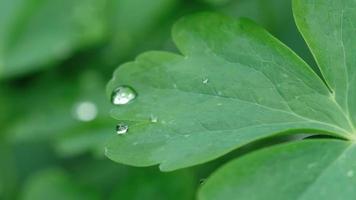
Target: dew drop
{"x": 85, "y": 111}
{"x": 205, "y": 81}
{"x": 202, "y": 181}
{"x": 121, "y": 128}
{"x": 123, "y": 95}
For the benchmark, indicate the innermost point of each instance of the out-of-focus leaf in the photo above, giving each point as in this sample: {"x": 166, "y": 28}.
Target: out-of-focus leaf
{"x": 153, "y": 185}
{"x": 216, "y": 2}
{"x": 84, "y": 138}
{"x": 135, "y": 23}
{"x": 36, "y": 33}
{"x": 56, "y": 184}
{"x": 52, "y": 109}
{"x": 314, "y": 169}
{"x": 8, "y": 176}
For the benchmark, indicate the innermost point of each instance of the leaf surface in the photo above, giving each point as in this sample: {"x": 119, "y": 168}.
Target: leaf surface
{"x": 311, "y": 169}
{"x": 329, "y": 28}
{"x": 233, "y": 84}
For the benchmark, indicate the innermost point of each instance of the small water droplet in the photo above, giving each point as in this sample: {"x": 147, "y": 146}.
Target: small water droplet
{"x": 187, "y": 135}
{"x": 350, "y": 173}
{"x": 202, "y": 181}
{"x": 121, "y": 128}
{"x": 205, "y": 81}
{"x": 123, "y": 95}
{"x": 85, "y": 111}
{"x": 219, "y": 104}
{"x": 153, "y": 119}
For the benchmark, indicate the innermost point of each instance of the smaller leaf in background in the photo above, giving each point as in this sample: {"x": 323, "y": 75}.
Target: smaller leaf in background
{"x": 310, "y": 169}
{"x": 37, "y": 33}
{"x": 151, "y": 184}
{"x": 56, "y": 184}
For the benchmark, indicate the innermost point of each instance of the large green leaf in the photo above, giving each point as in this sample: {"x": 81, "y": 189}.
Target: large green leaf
{"x": 35, "y": 33}
{"x": 234, "y": 84}
{"x": 312, "y": 169}
{"x": 329, "y": 28}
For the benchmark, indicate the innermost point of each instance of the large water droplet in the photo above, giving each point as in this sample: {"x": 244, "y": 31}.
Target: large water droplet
{"x": 85, "y": 111}
{"x": 123, "y": 95}
{"x": 122, "y": 128}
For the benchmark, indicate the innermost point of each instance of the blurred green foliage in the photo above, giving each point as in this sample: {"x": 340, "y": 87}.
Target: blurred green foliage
{"x": 56, "y": 56}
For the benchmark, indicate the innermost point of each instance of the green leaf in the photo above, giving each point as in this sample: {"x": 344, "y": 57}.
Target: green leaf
{"x": 234, "y": 84}
{"x": 328, "y": 27}
{"x": 311, "y": 169}
{"x": 56, "y": 184}
{"x": 35, "y": 33}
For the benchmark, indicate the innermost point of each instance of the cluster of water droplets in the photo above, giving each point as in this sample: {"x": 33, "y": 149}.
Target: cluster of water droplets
{"x": 122, "y": 95}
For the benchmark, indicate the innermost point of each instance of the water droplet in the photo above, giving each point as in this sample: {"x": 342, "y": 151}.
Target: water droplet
{"x": 121, "y": 128}
{"x": 85, "y": 111}
{"x": 153, "y": 119}
{"x": 350, "y": 173}
{"x": 205, "y": 81}
{"x": 123, "y": 95}
{"x": 202, "y": 181}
